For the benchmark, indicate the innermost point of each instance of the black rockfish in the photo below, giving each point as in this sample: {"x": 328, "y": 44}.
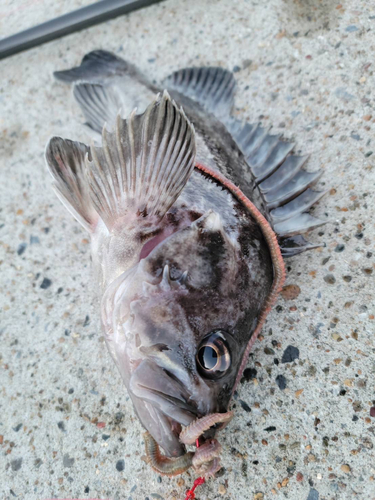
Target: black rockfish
{"x": 189, "y": 212}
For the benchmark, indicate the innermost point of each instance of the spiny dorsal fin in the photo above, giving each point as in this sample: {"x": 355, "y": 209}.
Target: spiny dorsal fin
{"x": 144, "y": 164}
{"x": 283, "y": 183}
{"x": 212, "y": 87}
{"x": 66, "y": 163}
{"x": 294, "y": 245}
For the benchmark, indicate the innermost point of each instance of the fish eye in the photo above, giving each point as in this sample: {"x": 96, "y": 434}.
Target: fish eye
{"x": 213, "y": 356}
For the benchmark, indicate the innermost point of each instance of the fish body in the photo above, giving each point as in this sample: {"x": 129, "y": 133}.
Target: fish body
{"x": 186, "y": 265}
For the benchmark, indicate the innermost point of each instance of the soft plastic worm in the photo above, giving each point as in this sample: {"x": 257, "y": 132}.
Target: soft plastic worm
{"x": 206, "y": 452}
{"x": 194, "y": 430}
{"x": 277, "y": 259}
{"x": 164, "y": 465}
{"x": 210, "y": 469}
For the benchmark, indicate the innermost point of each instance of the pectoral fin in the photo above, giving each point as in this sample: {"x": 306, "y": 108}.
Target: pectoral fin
{"x": 66, "y": 163}
{"x": 138, "y": 172}
{"x": 144, "y": 164}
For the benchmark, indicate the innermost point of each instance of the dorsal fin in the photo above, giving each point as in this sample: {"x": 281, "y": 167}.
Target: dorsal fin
{"x": 144, "y": 164}
{"x": 284, "y": 185}
{"x": 280, "y": 177}
{"x": 212, "y": 87}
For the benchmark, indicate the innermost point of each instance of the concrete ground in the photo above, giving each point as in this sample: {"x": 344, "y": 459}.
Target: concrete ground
{"x": 303, "y": 430}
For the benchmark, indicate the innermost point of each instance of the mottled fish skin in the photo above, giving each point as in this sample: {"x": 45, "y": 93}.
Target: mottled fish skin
{"x": 229, "y": 276}
{"x": 217, "y": 149}
{"x": 180, "y": 263}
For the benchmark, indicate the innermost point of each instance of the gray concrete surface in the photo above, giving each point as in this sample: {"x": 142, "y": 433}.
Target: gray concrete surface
{"x": 67, "y": 427}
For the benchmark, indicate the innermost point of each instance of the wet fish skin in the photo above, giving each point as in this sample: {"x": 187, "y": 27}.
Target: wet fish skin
{"x": 220, "y": 293}
{"x": 177, "y": 256}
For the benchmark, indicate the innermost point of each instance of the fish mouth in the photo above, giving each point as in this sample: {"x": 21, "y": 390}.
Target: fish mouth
{"x": 163, "y": 412}
{"x": 162, "y": 405}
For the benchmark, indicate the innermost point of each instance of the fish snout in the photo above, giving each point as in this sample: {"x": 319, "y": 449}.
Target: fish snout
{"x": 159, "y": 387}
{"x": 162, "y": 404}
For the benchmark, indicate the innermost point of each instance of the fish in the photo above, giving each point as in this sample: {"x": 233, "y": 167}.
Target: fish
{"x": 191, "y": 213}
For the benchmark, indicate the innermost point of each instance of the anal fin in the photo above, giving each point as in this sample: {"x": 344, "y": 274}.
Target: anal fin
{"x": 104, "y": 83}
{"x": 94, "y": 66}
{"x": 100, "y": 104}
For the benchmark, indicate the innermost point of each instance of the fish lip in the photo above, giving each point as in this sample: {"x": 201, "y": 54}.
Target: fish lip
{"x": 170, "y": 399}
{"x": 161, "y": 405}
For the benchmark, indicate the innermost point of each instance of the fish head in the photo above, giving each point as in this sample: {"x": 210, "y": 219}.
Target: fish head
{"x": 177, "y": 326}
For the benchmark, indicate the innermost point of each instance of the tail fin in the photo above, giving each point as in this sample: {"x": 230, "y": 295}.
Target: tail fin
{"x": 144, "y": 164}
{"x": 140, "y": 170}
{"x": 103, "y": 84}
{"x": 95, "y": 66}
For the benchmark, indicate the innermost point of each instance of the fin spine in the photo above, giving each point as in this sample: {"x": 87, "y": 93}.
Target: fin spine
{"x": 283, "y": 184}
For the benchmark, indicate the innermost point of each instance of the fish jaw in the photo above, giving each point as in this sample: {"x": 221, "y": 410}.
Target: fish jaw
{"x": 165, "y": 395}
{"x": 153, "y": 325}
{"x": 162, "y": 406}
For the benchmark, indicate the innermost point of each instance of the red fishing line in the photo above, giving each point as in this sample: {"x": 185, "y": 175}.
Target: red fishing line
{"x": 190, "y": 495}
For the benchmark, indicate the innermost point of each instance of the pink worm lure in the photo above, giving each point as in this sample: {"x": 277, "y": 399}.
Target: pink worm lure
{"x": 195, "y": 430}
{"x": 274, "y": 247}
{"x": 207, "y": 461}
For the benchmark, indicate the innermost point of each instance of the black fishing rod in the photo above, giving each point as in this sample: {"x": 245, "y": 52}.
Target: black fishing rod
{"x": 69, "y": 23}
